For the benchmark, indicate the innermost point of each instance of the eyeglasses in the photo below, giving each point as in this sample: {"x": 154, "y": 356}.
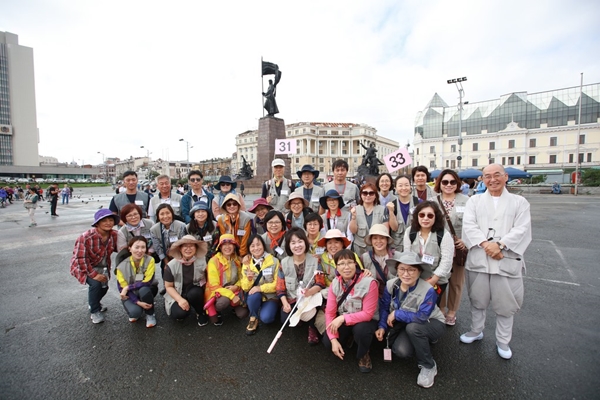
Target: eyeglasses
{"x": 446, "y": 182}
{"x": 410, "y": 271}
{"x": 497, "y": 175}
{"x": 428, "y": 215}
{"x": 274, "y": 222}
{"x": 344, "y": 264}
{"x": 297, "y": 203}
{"x": 369, "y": 193}
{"x": 231, "y": 204}
{"x": 195, "y": 179}
{"x": 492, "y": 235}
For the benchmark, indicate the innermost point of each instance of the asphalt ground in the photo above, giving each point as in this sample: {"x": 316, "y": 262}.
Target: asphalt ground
{"x": 51, "y": 350}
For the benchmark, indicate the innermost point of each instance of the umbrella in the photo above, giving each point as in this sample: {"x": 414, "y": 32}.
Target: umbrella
{"x": 514, "y": 173}
{"x": 435, "y": 174}
{"x": 469, "y": 173}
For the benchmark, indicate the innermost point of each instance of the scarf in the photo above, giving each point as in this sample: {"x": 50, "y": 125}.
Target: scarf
{"x": 188, "y": 262}
{"x": 275, "y": 240}
{"x": 131, "y": 228}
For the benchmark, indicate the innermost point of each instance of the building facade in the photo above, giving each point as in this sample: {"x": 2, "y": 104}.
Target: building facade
{"x": 19, "y": 135}
{"x": 320, "y": 144}
{"x": 536, "y": 131}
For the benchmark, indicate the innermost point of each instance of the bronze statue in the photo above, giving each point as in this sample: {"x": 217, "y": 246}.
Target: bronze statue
{"x": 246, "y": 171}
{"x": 270, "y": 102}
{"x": 370, "y": 163}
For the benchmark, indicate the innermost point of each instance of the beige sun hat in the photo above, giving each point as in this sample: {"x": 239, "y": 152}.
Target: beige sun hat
{"x": 333, "y": 234}
{"x": 230, "y": 196}
{"x": 381, "y": 230}
{"x": 201, "y": 247}
{"x": 307, "y": 309}
{"x": 294, "y": 196}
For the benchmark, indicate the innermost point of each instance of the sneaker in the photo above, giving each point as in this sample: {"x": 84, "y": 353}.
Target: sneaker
{"x": 103, "y": 308}
{"x": 364, "y": 364}
{"x": 217, "y": 320}
{"x": 97, "y": 317}
{"x": 252, "y": 326}
{"x": 202, "y": 319}
{"x": 426, "y": 376}
{"x": 163, "y": 291}
{"x": 504, "y": 351}
{"x": 150, "y": 321}
{"x": 470, "y": 337}
{"x": 132, "y": 320}
{"x": 313, "y": 336}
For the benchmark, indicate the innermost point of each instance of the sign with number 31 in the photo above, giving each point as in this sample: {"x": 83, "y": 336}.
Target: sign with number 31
{"x": 285, "y": 146}
{"x": 397, "y": 159}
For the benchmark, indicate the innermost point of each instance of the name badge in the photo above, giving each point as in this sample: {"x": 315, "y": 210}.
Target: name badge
{"x": 320, "y": 250}
{"x": 174, "y": 203}
{"x": 207, "y": 238}
{"x": 139, "y": 202}
{"x": 411, "y": 210}
{"x": 267, "y": 272}
{"x": 284, "y": 192}
{"x": 139, "y": 277}
{"x": 241, "y": 232}
{"x": 427, "y": 259}
{"x": 278, "y": 250}
{"x": 460, "y": 209}
{"x": 173, "y": 239}
{"x": 314, "y": 200}
{"x": 147, "y": 235}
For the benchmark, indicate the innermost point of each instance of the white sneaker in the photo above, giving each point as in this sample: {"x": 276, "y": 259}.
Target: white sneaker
{"x": 426, "y": 376}
{"x": 470, "y": 337}
{"x": 150, "y": 321}
{"x": 504, "y": 351}
{"x": 132, "y": 320}
{"x": 97, "y": 317}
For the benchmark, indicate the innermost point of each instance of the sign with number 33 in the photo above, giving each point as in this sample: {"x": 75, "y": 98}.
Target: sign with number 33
{"x": 397, "y": 159}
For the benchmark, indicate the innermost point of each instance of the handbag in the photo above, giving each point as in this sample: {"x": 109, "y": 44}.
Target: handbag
{"x": 460, "y": 255}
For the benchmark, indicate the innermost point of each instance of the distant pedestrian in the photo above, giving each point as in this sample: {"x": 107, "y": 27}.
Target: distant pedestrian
{"x": 480, "y": 188}
{"x": 65, "y": 192}
{"x": 242, "y": 188}
{"x": 90, "y": 263}
{"x": 30, "y": 205}
{"x": 53, "y": 198}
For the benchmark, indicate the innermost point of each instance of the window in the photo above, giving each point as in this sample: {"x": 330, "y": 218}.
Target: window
{"x": 511, "y": 144}
{"x": 589, "y": 157}
{"x": 519, "y": 160}
{"x": 531, "y": 143}
{"x": 554, "y": 141}
{"x": 571, "y": 158}
{"x": 447, "y": 163}
{"x": 453, "y": 148}
{"x": 475, "y": 146}
{"x": 431, "y": 149}
{"x": 581, "y": 139}
{"x": 503, "y": 160}
{"x": 492, "y": 145}
{"x": 453, "y": 164}
{"x": 297, "y": 160}
{"x": 581, "y": 158}
{"x": 552, "y": 159}
{"x": 492, "y": 160}
{"x": 531, "y": 160}
{"x": 432, "y": 164}
{"x": 417, "y": 151}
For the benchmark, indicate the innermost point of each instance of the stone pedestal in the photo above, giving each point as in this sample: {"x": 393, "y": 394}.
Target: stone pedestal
{"x": 269, "y": 130}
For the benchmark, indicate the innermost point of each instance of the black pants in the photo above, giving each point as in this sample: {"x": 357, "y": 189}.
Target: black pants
{"x": 53, "y": 203}
{"x": 363, "y": 333}
{"x": 194, "y": 296}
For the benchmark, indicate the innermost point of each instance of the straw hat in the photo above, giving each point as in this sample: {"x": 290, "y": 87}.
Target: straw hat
{"x": 333, "y": 234}
{"x": 201, "y": 247}
{"x": 381, "y": 230}
{"x": 294, "y": 196}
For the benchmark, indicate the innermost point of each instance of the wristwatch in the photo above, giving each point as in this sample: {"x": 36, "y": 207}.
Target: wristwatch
{"x": 501, "y": 246}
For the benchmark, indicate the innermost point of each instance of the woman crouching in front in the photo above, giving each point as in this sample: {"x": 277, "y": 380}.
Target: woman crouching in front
{"x": 409, "y": 311}
{"x": 351, "y": 307}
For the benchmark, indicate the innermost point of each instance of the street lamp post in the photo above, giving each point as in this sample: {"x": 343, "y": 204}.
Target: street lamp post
{"x": 461, "y": 93}
{"x": 188, "y": 151}
{"x": 103, "y": 164}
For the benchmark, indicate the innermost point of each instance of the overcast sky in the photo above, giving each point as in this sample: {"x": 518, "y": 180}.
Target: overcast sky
{"x": 112, "y": 76}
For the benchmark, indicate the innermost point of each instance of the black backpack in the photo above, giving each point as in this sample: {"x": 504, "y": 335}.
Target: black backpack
{"x": 440, "y": 235}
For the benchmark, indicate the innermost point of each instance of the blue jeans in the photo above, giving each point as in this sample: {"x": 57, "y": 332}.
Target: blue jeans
{"x": 95, "y": 293}
{"x": 267, "y": 310}
{"x": 65, "y": 197}
{"x": 145, "y": 294}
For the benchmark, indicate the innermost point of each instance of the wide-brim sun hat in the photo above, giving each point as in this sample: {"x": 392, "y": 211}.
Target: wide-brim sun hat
{"x": 260, "y": 202}
{"x": 105, "y": 213}
{"x": 308, "y": 168}
{"x": 225, "y": 179}
{"x": 307, "y": 310}
{"x": 231, "y": 196}
{"x": 331, "y": 194}
{"x": 407, "y": 257}
{"x": 201, "y": 247}
{"x": 333, "y": 234}
{"x": 381, "y": 230}
{"x": 294, "y": 196}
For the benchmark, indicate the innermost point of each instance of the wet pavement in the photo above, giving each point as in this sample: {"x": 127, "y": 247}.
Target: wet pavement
{"x": 51, "y": 350}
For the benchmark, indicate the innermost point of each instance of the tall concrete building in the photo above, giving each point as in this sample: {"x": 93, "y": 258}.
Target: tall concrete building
{"x": 19, "y": 135}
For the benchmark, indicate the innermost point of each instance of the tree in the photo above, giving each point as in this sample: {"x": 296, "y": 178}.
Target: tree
{"x": 591, "y": 177}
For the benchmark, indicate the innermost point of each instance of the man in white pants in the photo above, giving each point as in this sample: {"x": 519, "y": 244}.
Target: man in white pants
{"x": 497, "y": 231}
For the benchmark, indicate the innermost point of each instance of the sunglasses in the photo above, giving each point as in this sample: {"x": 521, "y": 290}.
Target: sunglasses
{"x": 225, "y": 184}
{"x": 428, "y": 215}
{"x": 231, "y": 204}
{"x": 447, "y": 182}
{"x": 368, "y": 193}
{"x": 195, "y": 179}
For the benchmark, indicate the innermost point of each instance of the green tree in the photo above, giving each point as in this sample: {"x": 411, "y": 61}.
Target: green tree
{"x": 591, "y": 177}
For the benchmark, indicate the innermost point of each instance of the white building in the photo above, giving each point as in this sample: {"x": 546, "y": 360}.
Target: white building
{"x": 19, "y": 135}
{"x": 535, "y": 132}
{"x": 320, "y": 144}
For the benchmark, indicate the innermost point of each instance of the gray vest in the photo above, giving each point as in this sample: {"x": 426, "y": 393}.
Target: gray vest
{"x": 363, "y": 227}
{"x": 413, "y": 299}
{"x": 278, "y": 202}
{"x": 354, "y": 301}
{"x": 291, "y": 279}
{"x": 174, "y": 202}
{"x": 398, "y": 235}
{"x": 121, "y": 201}
{"x": 177, "y": 271}
{"x": 343, "y": 221}
{"x": 127, "y": 270}
{"x": 269, "y": 250}
{"x": 317, "y": 193}
{"x": 433, "y": 249}
{"x": 350, "y": 192}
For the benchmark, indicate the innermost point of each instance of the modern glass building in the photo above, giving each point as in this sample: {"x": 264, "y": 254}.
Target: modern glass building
{"x": 534, "y": 131}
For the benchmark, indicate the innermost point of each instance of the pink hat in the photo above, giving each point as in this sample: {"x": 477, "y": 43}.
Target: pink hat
{"x": 260, "y": 202}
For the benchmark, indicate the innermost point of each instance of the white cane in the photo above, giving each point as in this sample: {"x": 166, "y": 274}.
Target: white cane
{"x": 274, "y": 342}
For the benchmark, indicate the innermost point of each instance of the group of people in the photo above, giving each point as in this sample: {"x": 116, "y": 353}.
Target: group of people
{"x": 386, "y": 260}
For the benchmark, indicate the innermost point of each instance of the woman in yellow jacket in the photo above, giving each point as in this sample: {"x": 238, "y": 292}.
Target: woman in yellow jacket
{"x": 258, "y": 281}
{"x": 223, "y": 287}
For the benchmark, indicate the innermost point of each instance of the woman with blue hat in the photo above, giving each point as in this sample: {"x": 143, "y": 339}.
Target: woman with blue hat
{"x": 335, "y": 217}
{"x": 225, "y": 186}
{"x": 203, "y": 227}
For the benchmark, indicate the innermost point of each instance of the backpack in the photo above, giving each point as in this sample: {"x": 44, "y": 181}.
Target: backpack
{"x": 415, "y": 200}
{"x": 440, "y": 235}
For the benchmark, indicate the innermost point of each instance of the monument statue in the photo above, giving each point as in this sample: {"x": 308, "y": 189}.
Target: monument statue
{"x": 270, "y": 102}
{"x": 246, "y": 171}
{"x": 370, "y": 163}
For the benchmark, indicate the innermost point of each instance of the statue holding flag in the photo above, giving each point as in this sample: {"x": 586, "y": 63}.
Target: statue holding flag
{"x": 270, "y": 102}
